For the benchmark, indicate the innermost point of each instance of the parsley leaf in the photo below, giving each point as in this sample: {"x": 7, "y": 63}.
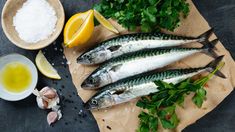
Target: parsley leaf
{"x": 199, "y": 97}
{"x": 150, "y": 15}
{"x": 148, "y": 122}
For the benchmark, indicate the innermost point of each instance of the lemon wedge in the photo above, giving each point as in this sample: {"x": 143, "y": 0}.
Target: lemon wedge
{"x": 45, "y": 67}
{"x": 104, "y": 22}
{"x": 79, "y": 29}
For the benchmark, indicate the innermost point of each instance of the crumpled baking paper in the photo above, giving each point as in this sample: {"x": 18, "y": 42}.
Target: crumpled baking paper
{"x": 124, "y": 117}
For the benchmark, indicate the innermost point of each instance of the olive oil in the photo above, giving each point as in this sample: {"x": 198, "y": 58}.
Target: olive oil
{"x": 16, "y": 77}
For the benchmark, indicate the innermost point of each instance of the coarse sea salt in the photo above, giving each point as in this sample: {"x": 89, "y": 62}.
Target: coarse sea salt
{"x": 35, "y": 21}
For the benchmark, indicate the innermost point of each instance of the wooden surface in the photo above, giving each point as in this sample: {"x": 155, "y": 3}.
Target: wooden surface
{"x": 25, "y": 116}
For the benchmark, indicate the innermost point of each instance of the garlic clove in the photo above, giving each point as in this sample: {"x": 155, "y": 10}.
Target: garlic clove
{"x": 53, "y": 102}
{"x": 52, "y": 117}
{"x": 42, "y": 103}
{"x": 50, "y": 94}
{"x": 44, "y": 90}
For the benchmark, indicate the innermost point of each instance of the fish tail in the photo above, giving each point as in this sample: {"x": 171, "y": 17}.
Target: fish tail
{"x": 204, "y": 38}
{"x": 210, "y": 48}
{"x": 214, "y": 64}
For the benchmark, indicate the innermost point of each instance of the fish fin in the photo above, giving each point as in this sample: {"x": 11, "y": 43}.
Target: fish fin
{"x": 213, "y": 65}
{"x": 114, "y": 48}
{"x": 116, "y": 67}
{"x": 204, "y": 38}
{"x": 210, "y": 47}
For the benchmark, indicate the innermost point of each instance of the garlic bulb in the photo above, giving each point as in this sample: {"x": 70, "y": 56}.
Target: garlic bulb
{"x": 47, "y": 98}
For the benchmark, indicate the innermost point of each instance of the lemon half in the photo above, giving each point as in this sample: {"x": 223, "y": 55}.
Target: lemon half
{"x": 79, "y": 29}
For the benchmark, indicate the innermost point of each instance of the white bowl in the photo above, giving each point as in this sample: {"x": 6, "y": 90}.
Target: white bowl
{"x": 6, "y": 95}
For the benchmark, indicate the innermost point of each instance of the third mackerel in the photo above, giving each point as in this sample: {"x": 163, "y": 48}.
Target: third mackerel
{"x": 134, "y": 42}
{"x": 140, "y": 62}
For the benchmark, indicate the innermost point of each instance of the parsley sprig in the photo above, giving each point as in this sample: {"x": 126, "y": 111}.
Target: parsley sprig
{"x": 159, "y": 108}
{"x": 150, "y": 15}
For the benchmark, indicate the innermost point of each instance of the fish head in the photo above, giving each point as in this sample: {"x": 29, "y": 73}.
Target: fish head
{"x": 99, "y": 101}
{"x": 97, "y": 80}
{"x": 95, "y": 56}
{"x": 108, "y": 97}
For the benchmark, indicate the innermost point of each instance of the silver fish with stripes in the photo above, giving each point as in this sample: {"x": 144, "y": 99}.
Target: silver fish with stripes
{"x": 142, "y": 85}
{"x": 135, "y": 42}
{"x": 140, "y": 62}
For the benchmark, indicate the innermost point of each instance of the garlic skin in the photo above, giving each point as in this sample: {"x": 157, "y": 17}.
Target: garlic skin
{"x": 47, "y": 98}
{"x": 59, "y": 114}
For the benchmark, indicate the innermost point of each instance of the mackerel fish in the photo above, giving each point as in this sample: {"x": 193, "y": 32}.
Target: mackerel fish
{"x": 139, "y": 62}
{"x": 142, "y": 85}
{"x": 134, "y": 42}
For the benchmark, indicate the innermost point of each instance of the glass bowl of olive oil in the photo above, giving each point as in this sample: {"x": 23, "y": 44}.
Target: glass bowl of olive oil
{"x": 18, "y": 77}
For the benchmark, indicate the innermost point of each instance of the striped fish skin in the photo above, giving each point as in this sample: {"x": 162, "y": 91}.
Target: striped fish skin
{"x": 136, "y": 63}
{"x": 126, "y": 90}
{"x": 134, "y": 42}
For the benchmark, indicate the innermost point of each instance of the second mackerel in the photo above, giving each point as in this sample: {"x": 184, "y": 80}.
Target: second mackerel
{"x": 142, "y": 85}
{"x": 140, "y": 62}
{"x": 134, "y": 42}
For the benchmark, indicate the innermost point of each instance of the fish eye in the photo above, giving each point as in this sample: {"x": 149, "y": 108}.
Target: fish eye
{"x": 87, "y": 57}
{"x": 94, "y": 102}
{"x": 91, "y": 81}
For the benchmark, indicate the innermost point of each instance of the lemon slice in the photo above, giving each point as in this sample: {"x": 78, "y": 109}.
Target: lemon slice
{"x": 79, "y": 29}
{"x": 104, "y": 22}
{"x": 45, "y": 67}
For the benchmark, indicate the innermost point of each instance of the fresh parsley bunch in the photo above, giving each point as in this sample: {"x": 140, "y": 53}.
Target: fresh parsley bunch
{"x": 159, "y": 108}
{"x": 150, "y": 15}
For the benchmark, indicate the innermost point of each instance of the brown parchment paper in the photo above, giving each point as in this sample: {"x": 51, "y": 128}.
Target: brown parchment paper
{"x": 124, "y": 117}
